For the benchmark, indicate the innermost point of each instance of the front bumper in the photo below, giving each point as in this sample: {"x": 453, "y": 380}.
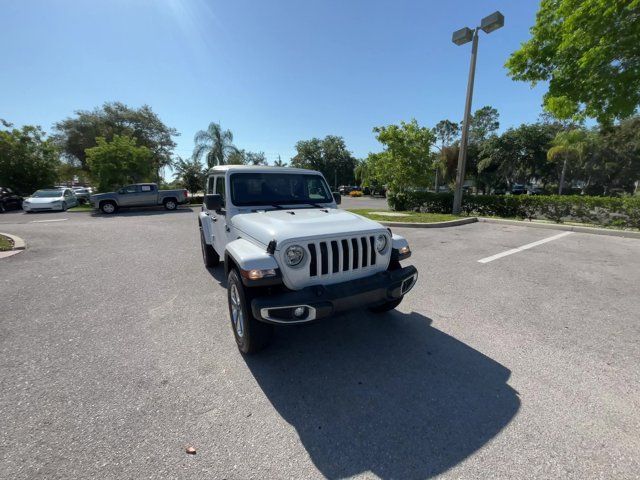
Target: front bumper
{"x": 41, "y": 207}
{"x": 319, "y": 301}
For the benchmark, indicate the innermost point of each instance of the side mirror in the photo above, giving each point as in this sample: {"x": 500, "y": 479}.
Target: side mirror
{"x": 337, "y": 197}
{"x": 213, "y": 202}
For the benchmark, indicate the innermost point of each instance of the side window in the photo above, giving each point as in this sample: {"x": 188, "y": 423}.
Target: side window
{"x": 220, "y": 188}
{"x": 130, "y": 189}
{"x": 210, "y": 181}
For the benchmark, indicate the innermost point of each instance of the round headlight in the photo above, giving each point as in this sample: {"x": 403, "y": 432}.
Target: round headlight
{"x": 293, "y": 255}
{"x": 381, "y": 243}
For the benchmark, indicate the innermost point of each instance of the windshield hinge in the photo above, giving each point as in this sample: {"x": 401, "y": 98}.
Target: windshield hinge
{"x": 271, "y": 248}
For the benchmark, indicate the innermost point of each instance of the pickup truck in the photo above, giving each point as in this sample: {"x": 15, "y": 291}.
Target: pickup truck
{"x": 291, "y": 255}
{"x": 138, "y": 195}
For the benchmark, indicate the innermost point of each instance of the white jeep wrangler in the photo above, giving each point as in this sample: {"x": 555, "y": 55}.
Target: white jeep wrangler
{"x": 290, "y": 255}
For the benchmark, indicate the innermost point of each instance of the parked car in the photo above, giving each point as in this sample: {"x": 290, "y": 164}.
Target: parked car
{"x": 138, "y": 195}
{"x": 518, "y": 189}
{"x": 83, "y": 194}
{"x": 533, "y": 190}
{"x": 346, "y": 189}
{"x": 291, "y": 255}
{"x": 50, "y": 199}
{"x": 9, "y": 200}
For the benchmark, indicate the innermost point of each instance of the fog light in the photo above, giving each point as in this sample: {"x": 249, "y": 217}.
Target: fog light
{"x": 300, "y": 312}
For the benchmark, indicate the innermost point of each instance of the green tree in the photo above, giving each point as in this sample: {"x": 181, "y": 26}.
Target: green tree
{"x": 617, "y": 164}
{"x": 518, "y": 155}
{"x": 215, "y": 144}
{"x": 484, "y": 123}
{"x": 446, "y": 132}
{"x": 76, "y": 134}
{"x": 405, "y": 160}
{"x": 569, "y": 147}
{"x": 255, "y": 158}
{"x": 119, "y": 161}
{"x": 329, "y": 156}
{"x": 28, "y": 161}
{"x": 587, "y": 51}
{"x": 189, "y": 174}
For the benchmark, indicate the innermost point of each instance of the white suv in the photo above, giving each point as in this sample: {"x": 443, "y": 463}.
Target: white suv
{"x": 290, "y": 255}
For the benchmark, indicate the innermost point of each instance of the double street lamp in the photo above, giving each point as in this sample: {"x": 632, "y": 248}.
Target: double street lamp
{"x": 460, "y": 37}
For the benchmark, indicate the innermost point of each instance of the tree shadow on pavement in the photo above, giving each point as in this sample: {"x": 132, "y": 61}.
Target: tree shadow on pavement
{"x": 141, "y": 211}
{"x": 388, "y": 394}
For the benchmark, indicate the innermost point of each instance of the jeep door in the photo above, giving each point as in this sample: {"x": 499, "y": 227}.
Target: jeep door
{"x": 219, "y": 218}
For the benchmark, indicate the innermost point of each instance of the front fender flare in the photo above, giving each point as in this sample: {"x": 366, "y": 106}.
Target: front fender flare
{"x": 248, "y": 256}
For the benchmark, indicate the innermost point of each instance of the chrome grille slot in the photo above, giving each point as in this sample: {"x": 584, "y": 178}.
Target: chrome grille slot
{"x": 335, "y": 257}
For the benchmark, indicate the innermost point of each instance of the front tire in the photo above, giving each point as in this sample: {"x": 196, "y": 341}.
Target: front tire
{"x": 64, "y": 207}
{"x": 251, "y": 335}
{"x": 209, "y": 255}
{"x": 108, "y": 207}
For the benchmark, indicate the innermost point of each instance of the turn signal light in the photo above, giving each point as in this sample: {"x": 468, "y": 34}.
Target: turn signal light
{"x": 258, "y": 274}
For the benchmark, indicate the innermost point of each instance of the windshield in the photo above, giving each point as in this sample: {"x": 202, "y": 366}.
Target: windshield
{"x": 48, "y": 193}
{"x": 278, "y": 189}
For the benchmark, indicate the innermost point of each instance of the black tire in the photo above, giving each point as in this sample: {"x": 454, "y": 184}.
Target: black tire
{"x": 108, "y": 207}
{"x": 2, "y": 207}
{"x": 209, "y": 255}
{"x": 170, "y": 204}
{"x": 253, "y": 335}
{"x": 64, "y": 206}
{"x": 385, "y": 307}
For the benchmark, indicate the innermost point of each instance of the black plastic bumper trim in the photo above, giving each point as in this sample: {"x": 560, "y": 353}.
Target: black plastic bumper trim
{"x": 330, "y": 299}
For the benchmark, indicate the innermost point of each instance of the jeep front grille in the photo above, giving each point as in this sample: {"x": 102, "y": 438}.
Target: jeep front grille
{"x": 341, "y": 255}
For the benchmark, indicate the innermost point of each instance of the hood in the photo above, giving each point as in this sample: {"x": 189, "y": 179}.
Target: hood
{"x": 281, "y": 225}
{"x": 101, "y": 195}
{"x": 35, "y": 200}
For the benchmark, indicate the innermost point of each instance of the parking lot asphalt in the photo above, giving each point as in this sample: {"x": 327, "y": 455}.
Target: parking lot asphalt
{"x": 116, "y": 354}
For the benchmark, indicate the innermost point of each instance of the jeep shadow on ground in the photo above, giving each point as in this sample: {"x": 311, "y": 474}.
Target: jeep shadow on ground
{"x": 218, "y": 274}
{"x": 387, "y": 394}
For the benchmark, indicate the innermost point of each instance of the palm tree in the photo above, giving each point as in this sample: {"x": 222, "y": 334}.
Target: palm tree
{"x": 279, "y": 163}
{"x": 215, "y": 144}
{"x": 567, "y": 146}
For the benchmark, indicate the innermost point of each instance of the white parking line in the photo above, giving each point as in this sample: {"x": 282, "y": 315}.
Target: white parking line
{"x": 52, "y": 220}
{"x": 524, "y": 247}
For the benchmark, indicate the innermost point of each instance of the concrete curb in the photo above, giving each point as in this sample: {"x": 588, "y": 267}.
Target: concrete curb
{"x": 566, "y": 228}
{"x": 18, "y": 243}
{"x": 449, "y": 223}
{"x": 18, "y": 246}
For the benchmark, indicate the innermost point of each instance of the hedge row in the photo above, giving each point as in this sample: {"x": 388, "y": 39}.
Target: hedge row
{"x": 605, "y": 211}
{"x": 196, "y": 200}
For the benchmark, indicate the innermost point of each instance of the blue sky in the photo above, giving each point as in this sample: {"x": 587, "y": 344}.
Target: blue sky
{"x": 274, "y": 72}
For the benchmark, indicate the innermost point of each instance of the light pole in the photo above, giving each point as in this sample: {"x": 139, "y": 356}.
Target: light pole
{"x": 460, "y": 37}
